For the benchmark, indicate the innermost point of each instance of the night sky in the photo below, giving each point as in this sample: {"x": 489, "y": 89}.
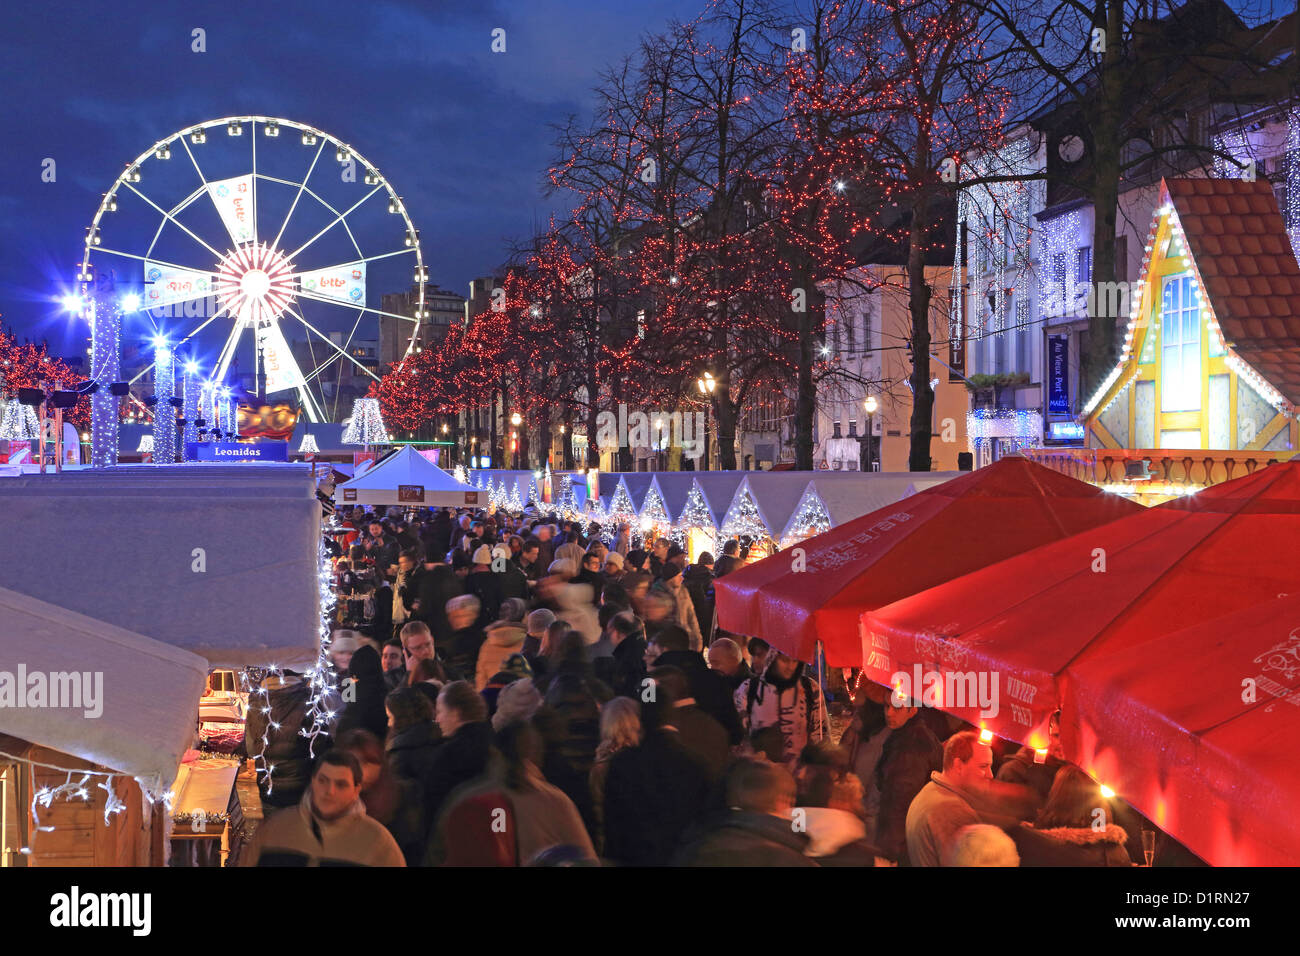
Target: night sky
{"x": 462, "y": 133}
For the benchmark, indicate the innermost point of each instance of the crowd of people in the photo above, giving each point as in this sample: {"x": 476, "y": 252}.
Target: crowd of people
{"x": 512, "y": 690}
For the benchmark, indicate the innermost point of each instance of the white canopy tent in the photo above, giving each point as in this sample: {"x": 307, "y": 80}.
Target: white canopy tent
{"x": 408, "y": 478}
{"x": 220, "y": 560}
{"x": 145, "y": 711}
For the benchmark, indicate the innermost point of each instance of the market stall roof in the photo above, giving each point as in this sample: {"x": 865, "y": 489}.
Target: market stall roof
{"x": 863, "y": 492}
{"x": 1029, "y": 618}
{"x": 933, "y": 536}
{"x": 1167, "y": 725}
{"x": 718, "y": 489}
{"x": 407, "y": 478}
{"x": 222, "y": 560}
{"x": 143, "y": 708}
{"x": 637, "y": 484}
{"x": 774, "y": 494}
{"x": 674, "y": 487}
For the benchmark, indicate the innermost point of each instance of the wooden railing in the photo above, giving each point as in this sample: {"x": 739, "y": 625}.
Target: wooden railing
{"x": 1171, "y": 466}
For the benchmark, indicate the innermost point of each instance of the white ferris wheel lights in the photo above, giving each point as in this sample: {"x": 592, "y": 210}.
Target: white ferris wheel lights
{"x": 371, "y": 178}
{"x": 395, "y": 204}
{"x": 308, "y": 138}
{"x": 130, "y": 302}
{"x": 343, "y": 154}
{"x": 132, "y": 175}
{"x": 110, "y": 202}
{"x": 73, "y": 303}
{"x": 272, "y": 128}
{"x": 163, "y": 152}
{"x": 234, "y": 128}
{"x": 197, "y": 136}
{"x": 413, "y": 237}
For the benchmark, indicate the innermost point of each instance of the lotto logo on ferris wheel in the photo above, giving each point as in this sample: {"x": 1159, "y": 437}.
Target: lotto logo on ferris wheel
{"x": 268, "y": 264}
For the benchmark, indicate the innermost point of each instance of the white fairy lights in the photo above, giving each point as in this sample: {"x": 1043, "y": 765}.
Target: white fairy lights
{"x": 19, "y": 423}
{"x": 366, "y": 426}
{"x": 810, "y": 519}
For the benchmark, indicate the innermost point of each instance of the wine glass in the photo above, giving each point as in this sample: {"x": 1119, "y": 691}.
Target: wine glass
{"x": 1149, "y": 846}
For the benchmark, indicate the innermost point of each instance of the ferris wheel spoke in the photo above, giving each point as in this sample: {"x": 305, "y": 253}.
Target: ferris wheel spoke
{"x": 330, "y": 342}
{"x": 340, "y": 218}
{"x": 190, "y": 153}
{"x": 154, "y": 260}
{"x": 302, "y": 187}
{"x": 253, "y": 140}
{"x": 186, "y": 229}
{"x": 354, "y": 262}
{"x": 315, "y": 297}
{"x": 227, "y": 352}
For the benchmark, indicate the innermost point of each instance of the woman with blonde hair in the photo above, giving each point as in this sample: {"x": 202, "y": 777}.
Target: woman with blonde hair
{"x": 620, "y": 729}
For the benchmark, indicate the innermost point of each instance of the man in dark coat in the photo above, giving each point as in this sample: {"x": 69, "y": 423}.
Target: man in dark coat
{"x": 910, "y": 754}
{"x": 624, "y": 670}
{"x": 670, "y": 647}
{"x": 413, "y": 738}
{"x": 653, "y": 792}
{"x": 698, "y": 732}
{"x": 729, "y": 561}
{"x": 467, "y": 745}
{"x": 436, "y": 585}
{"x": 697, "y": 579}
{"x": 757, "y": 829}
{"x": 382, "y": 549}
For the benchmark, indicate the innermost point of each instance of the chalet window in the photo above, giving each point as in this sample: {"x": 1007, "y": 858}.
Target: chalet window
{"x": 1180, "y": 347}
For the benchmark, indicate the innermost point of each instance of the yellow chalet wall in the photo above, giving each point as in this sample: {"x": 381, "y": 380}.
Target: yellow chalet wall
{"x": 1211, "y": 353}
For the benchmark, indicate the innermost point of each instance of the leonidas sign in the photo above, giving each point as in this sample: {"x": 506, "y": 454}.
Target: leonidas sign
{"x": 410, "y": 493}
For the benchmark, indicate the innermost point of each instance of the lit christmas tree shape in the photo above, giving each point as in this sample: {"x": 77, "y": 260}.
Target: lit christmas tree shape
{"x": 567, "y": 503}
{"x": 459, "y": 474}
{"x": 655, "y": 520}
{"x": 810, "y": 518}
{"x": 695, "y": 515}
{"x": 19, "y": 422}
{"x": 744, "y": 521}
{"x": 308, "y": 445}
{"x": 367, "y": 425}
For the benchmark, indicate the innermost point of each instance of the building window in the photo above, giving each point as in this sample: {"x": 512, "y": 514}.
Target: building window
{"x": 1083, "y": 264}
{"x": 1180, "y": 347}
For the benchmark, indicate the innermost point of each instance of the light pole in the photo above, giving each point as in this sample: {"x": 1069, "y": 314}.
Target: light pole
{"x": 706, "y": 384}
{"x": 516, "y": 420}
{"x": 870, "y": 405}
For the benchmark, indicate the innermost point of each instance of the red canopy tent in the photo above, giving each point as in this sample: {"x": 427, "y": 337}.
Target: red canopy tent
{"x": 933, "y": 536}
{"x": 1206, "y": 755}
{"x": 1023, "y": 622}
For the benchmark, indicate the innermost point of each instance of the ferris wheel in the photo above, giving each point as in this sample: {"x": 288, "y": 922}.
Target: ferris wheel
{"x": 249, "y": 241}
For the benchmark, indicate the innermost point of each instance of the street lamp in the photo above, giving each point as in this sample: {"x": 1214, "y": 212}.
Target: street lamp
{"x": 870, "y": 405}
{"x": 516, "y": 420}
{"x": 706, "y": 384}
